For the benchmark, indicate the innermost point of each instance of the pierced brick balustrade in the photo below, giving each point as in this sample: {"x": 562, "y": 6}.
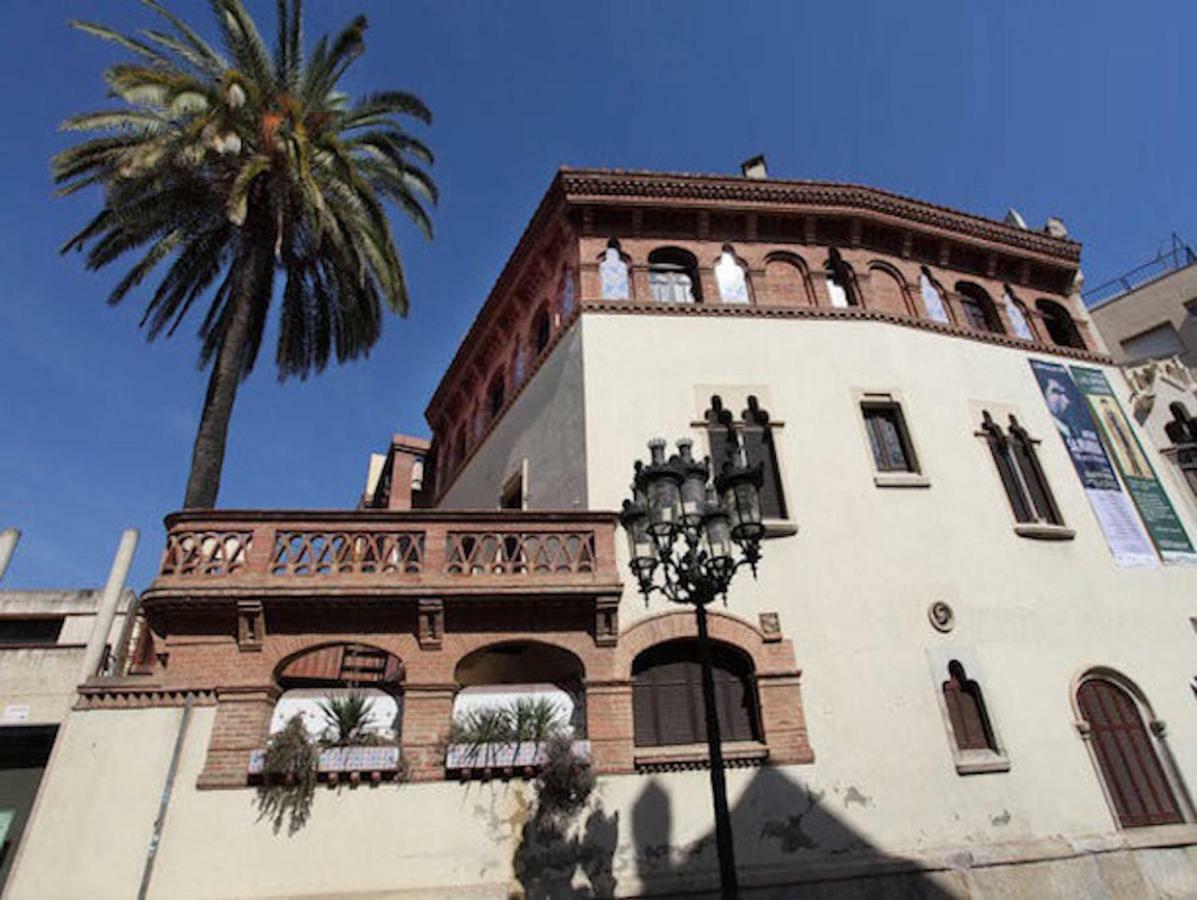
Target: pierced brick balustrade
{"x": 236, "y": 553}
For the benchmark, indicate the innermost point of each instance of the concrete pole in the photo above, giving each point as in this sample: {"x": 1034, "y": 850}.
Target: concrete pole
{"x": 106, "y": 610}
{"x": 8, "y": 543}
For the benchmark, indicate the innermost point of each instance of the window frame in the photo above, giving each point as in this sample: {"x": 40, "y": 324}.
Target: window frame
{"x": 670, "y": 262}
{"x": 1003, "y": 447}
{"x": 914, "y": 476}
{"x": 774, "y": 527}
{"x": 994, "y": 758}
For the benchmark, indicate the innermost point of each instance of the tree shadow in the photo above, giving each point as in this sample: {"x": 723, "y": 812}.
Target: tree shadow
{"x": 550, "y": 858}
{"x": 789, "y": 842}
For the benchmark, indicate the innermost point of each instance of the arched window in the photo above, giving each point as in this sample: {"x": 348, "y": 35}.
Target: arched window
{"x": 1126, "y": 756}
{"x": 979, "y": 312}
{"x": 542, "y": 329}
{"x": 613, "y": 273}
{"x": 531, "y": 691}
{"x": 966, "y": 711}
{"x": 497, "y": 395}
{"x": 733, "y": 285}
{"x": 667, "y": 698}
{"x": 1016, "y": 311}
{"x": 841, "y": 282}
{"x": 1182, "y": 431}
{"x": 518, "y": 364}
{"x": 312, "y": 678}
{"x": 1059, "y": 324}
{"x": 755, "y": 434}
{"x": 933, "y": 297}
{"x": 567, "y": 294}
{"x": 1021, "y": 473}
{"x": 673, "y": 276}
{"x": 786, "y": 281}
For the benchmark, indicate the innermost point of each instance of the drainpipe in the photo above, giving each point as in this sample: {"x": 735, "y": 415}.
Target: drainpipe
{"x": 8, "y": 543}
{"x": 106, "y": 610}
{"x": 164, "y": 801}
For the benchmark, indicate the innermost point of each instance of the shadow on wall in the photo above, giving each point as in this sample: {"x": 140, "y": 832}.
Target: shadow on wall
{"x": 789, "y": 842}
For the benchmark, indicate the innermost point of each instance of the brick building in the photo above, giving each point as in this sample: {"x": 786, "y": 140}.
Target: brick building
{"x": 951, "y": 678}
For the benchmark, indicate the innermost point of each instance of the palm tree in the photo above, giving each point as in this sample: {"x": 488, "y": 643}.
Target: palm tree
{"x": 233, "y": 166}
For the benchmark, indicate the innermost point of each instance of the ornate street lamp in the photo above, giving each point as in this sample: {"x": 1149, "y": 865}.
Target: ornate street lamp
{"x": 683, "y": 533}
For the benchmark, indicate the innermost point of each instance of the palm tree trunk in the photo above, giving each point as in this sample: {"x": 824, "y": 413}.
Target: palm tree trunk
{"x": 207, "y": 457}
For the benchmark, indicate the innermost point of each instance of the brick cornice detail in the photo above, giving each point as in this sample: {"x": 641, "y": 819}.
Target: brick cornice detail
{"x": 580, "y": 185}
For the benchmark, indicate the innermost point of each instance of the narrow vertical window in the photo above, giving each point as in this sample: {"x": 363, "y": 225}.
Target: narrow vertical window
{"x": 979, "y": 311}
{"x": 888, "y": 437}
{"x": 498, "y": 395}
{"x": 1017, "y": 315}
{"x": 673, "y": 276}
{"x": 518, "y": 365}
{"x": 613, "y": 273}
{"x": 932, "y": 297}
{"x": 1021, "y": 473}
{"x": 966, "y": 711}
{"x": 755, "y": 435}
{"x": 542, "y": 330}
{"x": 733, "y": 286}
{"x": 841, "y": 284}
{"x": 568, "y": 295}
{"x": 1182, "y": 431}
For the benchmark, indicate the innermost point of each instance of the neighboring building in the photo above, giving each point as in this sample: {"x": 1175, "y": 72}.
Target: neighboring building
{"x": 50, "y": 642}
{"x": 1150, "y": 312}
{"x": 951, "y": 678}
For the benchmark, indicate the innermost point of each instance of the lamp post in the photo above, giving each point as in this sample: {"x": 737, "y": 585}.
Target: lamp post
{"x": 683, "y": 533}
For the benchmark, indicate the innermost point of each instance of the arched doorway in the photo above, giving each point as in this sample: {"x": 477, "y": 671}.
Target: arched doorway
{"x": 1126, "y": 756}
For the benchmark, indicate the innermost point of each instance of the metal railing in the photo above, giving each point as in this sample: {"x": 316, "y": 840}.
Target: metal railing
{"x": 1178, "y": 255}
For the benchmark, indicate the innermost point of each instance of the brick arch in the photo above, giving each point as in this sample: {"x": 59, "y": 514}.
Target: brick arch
{"x": 888, "y": 289}
{"x": 280, "y": 651}
{"x": 508, "y": 640}
{"x": 766, "y": 658}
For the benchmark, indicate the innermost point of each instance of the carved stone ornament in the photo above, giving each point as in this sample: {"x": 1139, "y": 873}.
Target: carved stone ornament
{"x": 771, "y": 626}
{"x": 941, "y": 616}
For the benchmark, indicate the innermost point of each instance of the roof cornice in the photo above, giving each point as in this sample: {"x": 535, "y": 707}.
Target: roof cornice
{"x": 581, "y": 185}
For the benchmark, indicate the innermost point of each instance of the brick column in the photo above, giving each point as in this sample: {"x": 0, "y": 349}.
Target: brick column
{"x": 782, "y": 719}
{"x": 609, "y": 725}
{"x": 640, "y": 293}
{"x": 242, "y": 724}
{"x": 427, "y": 714}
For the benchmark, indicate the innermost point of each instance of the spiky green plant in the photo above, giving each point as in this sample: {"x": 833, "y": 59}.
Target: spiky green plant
{"x": 233, "y": 166}
{"x": 289, "y": 776}
{"x": 480, "y": 729}
{"x": 347, "y": 718}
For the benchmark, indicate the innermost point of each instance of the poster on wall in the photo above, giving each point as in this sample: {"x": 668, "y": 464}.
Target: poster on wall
{"x": 1156, "y": 510}
{"x": 1115, "y": 513}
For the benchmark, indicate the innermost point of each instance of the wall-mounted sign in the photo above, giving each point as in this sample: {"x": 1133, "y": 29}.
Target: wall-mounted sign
{"x": 1156, "y": 510}
{"x": 1115, "y": 514}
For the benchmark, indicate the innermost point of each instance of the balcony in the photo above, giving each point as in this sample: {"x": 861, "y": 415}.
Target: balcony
{"x": 279, "y": 553}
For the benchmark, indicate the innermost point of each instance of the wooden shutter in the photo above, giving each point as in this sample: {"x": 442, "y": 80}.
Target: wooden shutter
{"x": 667, "y": 703}
{"x": 1126, "y": 757}
{"x": 1032, "y": 475}
{"x": 967, "y": 714}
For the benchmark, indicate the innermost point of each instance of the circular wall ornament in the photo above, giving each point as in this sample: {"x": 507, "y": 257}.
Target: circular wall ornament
{"x": 941, "y": 616}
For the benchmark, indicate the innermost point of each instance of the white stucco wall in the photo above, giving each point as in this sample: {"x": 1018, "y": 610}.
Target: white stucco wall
{"x": 545, "y": 426}
{"x": 852, "y": 587}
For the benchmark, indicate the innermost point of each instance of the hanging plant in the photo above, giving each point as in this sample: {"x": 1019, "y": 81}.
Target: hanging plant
{"x": 289, "y": 774}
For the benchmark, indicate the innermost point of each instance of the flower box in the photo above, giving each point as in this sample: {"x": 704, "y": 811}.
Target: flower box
{"x": 365, "y": 758}
{"x": 511, "y": 755}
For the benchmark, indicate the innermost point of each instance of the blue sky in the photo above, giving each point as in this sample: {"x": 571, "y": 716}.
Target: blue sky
{"x": 1081, "y": 110}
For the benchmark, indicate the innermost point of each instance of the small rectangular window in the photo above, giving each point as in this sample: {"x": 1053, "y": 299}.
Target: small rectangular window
{"x": 888, "y": 437}
{"x": 44, "y": 630}
{"x": 512, "y": 496}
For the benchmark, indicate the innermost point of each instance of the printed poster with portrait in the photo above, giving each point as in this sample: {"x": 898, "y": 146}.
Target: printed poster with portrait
{"x": 1115, "y": 513}
{"x": 1156, "y": 510}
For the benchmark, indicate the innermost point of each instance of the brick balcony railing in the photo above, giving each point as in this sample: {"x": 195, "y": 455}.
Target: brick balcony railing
{"x": 383, "y": 552}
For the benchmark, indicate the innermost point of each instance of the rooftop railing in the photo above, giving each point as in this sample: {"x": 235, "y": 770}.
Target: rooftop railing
{"x": 313, "y": 552}
{"x": 1179, "y": 255}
